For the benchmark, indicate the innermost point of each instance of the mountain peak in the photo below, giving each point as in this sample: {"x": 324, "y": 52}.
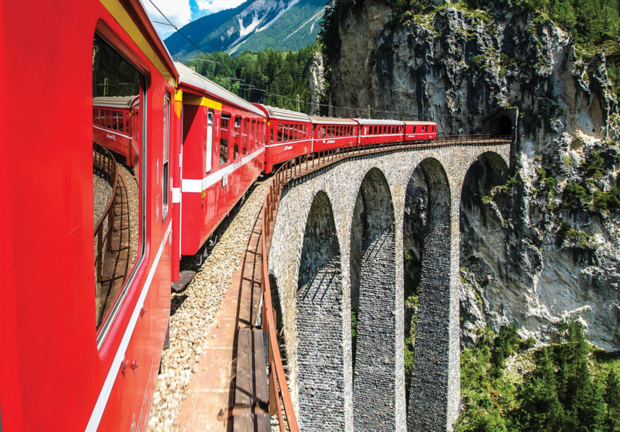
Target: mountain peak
{"x": 253, "y": 26}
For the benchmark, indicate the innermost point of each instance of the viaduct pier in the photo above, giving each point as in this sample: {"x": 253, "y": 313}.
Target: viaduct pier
{"x": 338, "y": 245}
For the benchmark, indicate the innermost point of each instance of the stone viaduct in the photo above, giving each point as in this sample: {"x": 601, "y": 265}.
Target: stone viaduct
{"x": 338, "y": 246}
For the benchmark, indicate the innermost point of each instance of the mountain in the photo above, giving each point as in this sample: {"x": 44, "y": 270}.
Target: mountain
{"x": 253, "y": 26}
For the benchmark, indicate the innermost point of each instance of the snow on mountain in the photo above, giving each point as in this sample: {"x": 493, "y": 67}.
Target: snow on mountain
{"x": 255, "y": 25}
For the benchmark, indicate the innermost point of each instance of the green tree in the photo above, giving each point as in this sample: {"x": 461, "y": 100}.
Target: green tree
{"x": 540, "y": 409}
{"x": 612, "y": 399}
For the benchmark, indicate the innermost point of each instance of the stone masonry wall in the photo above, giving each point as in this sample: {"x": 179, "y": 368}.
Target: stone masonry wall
{"x": 319, "y": 314}
{"x": 374, "y": 384}
{"x": 341, "y": 183}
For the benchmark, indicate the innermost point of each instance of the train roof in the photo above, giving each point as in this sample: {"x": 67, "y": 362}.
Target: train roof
{"x": 284, "y": 114}
{"x": 191, "y": 78}
{"x": 380, "y": 122}
{"x": 332, "y": 121}
{"x": 114, "y": 101}
{"x": 419, "y": 123}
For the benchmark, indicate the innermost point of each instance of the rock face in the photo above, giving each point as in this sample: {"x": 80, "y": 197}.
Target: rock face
{"x": 540, "y": 246}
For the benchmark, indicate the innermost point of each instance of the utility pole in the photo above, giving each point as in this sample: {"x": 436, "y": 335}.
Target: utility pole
{"x": 105, "y": 87}
{"x": 298, "y": 107}
{"x": 369, "y": 112}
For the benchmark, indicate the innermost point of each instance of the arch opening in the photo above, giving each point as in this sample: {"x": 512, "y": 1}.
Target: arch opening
{"x": 372, "y": 269}
{"x": 427, "y": 254}
{"x": 319, "y": 316}
{"x": 414, "y": 227}
{"x": 483, "y": 247}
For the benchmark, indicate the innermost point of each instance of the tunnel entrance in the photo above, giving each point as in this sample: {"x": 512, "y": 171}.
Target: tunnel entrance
{"x": 501, "y": 126}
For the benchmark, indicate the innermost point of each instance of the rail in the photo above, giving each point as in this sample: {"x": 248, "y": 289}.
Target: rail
{"x": 104, "y": 161}
{"x": 296, "y": 168}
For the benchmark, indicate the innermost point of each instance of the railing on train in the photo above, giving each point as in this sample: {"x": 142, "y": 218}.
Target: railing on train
{"x": 111, "y": 119}
{"x": 104, "y": 161}
{"x": 295, "y": 168}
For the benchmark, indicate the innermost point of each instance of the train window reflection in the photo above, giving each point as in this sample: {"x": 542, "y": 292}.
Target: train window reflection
{"x": 118, "y": 172}
{"x": 224, "y": 140}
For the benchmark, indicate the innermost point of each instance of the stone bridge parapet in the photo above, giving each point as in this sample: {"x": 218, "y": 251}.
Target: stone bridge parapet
{"x": 338, "y": 246}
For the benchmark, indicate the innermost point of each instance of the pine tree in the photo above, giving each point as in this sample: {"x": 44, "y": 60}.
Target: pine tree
{"x": 612, "y": 399}
{"x": 540, "y": 408}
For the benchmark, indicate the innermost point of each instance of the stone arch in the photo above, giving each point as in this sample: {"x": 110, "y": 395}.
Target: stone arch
{"x": 319, "y": 316}
{"x": 373, "y": 288}
{"x": 432, "y": 361}
{"x": 483, "y": 237}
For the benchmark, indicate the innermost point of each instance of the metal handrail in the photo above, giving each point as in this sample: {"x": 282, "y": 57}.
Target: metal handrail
{"x": 104, "y": 161}
{"x": 299, "y": 167}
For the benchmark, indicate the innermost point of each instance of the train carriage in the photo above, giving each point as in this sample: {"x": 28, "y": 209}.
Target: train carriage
{"x": 331, "y": 133}
{"x": 115, "y": 120}
{"x": 80, "y": 352}
{"x": 380, "y": 131}
{"x": 289, "y": 134}
{"x": 420, "y": 130}
{"x": 223, "y": 154}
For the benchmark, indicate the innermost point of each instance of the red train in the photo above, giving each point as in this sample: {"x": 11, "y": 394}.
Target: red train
{"x": 81, "y": 339}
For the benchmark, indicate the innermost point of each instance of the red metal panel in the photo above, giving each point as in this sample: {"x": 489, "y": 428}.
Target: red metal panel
{"x": 51, "y": 310}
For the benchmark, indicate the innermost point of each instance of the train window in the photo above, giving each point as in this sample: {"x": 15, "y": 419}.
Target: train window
{"x": 271, "y": 135}
{"x": 246, "y": 125}
{"x": 209, "y": 161}
{"x": 164, "y": 164}
{"x": 414, "y": 128}
{"x": 236, "y": 137}
{"x": 253, "y": 134}
{"x": 119, "y": 182}
{"x": 224, "y": 140}
{"x": 280, "y": 132}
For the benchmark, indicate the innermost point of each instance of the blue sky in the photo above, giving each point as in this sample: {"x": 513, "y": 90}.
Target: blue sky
{"x": 181, "y": 12}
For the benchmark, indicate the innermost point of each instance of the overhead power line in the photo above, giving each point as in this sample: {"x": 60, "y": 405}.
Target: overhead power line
{"x": 252, "y": 88}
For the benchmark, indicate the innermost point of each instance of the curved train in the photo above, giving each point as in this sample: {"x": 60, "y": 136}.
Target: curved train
{"x": 81, "y": 349}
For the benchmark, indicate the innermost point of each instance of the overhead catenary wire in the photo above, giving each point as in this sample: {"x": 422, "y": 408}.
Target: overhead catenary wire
{"x": 266, "y": 93}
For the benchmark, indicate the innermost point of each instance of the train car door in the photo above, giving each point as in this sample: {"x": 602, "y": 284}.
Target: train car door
{"x": 209, "y": 149}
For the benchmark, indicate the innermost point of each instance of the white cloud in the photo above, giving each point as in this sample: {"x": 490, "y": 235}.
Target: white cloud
{"x": 177, "y": 11}
{"x": 217, "y": 5}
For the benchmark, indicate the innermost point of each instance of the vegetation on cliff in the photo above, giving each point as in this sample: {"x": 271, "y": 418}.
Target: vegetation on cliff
{"x": 569, "y": 386}
{"x": 594, "y": 24}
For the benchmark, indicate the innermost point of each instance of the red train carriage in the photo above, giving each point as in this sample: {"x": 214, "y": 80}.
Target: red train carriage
{"x": 114, "y": 121}
{"x": 380, "y": 131}
{"x": 333, "y": 133}
{"x": 223, "y": 154}
{"x": 419, "y": 130}
{"x": 78, "y": 352}
{"x": 289, "y": 134}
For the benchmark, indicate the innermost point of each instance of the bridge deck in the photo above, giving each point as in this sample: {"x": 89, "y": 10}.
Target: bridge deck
{"x": 229, "y": 390}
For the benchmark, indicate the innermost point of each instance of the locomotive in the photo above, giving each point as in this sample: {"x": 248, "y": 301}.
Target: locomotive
{"x": 81, "y": 339}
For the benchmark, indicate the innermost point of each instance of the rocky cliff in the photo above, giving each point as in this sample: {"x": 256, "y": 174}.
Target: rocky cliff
{"x": 540, "y": 242}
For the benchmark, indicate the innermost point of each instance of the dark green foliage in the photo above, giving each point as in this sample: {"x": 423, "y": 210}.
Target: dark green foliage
{"x": 540, "y": 408}
{"x": 560, "y": 393}
{"x": 594, "y": 166}
{"x": 575, "y": 195}
{"x": 606, "y": 200}
{"x": 612, "y": 399}
{"x": 580, "y": 395}
{"x": 112, "y": 74}
{"x": 413, "y": 274}
{"x": 279, "y": 79}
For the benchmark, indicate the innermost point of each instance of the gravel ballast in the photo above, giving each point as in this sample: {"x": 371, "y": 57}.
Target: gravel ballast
{"x": 189, "y": 325}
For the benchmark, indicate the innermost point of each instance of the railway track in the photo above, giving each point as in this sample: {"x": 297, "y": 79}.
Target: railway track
{"x": 237, "y": 265}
